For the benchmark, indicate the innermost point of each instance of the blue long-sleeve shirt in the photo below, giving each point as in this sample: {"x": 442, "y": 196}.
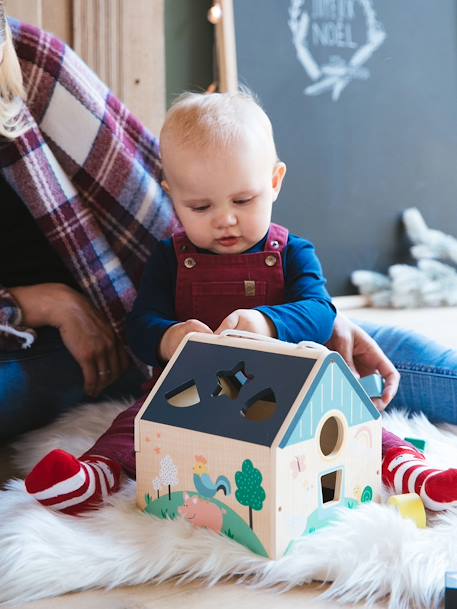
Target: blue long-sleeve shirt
{"x": 308, "y": 313}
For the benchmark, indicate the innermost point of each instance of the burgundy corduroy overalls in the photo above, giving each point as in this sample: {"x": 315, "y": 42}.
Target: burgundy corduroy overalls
{"x": 208, "y": 288}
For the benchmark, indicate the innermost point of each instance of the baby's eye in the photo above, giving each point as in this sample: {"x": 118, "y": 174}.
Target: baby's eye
{"x": 200, "y": 208}
{"x": 244, "y": 200}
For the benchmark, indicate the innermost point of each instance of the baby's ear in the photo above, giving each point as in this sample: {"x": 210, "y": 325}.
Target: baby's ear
{"x": 165, "y": 186}
{"x": 279, "y": 172}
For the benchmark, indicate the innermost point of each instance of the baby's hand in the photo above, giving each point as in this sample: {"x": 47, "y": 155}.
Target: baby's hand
{"x": 174, "y": 335}
{"x": 250, "y": 320}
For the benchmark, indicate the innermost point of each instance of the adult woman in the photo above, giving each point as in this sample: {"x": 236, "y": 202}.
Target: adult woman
{"x": 77, "y": 171}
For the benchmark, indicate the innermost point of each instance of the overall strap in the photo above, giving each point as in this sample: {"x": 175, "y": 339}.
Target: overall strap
{"x": 277, "y": 238}
{"x": 182, "y": 244}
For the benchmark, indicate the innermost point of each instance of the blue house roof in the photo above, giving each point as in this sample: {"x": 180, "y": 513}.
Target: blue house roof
{"x": 259, "y": 374}
{"x": 272, "y": 378}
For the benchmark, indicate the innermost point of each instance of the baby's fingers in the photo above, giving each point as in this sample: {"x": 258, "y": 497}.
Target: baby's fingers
{"x": 229, "y": 323}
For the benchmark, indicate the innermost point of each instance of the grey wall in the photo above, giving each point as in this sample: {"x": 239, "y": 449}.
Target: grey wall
{"x": 389, "y": 142}
{"x": 188, "y": 46}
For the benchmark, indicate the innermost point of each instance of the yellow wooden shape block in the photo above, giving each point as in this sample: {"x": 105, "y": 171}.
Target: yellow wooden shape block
{"x": 410, "y": 506}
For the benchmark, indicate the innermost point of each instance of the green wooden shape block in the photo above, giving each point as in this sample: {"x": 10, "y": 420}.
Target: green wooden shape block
{"x": 418, "y": 443}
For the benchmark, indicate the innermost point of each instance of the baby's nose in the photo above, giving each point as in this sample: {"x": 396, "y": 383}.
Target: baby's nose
{"x": 226, "y": 219}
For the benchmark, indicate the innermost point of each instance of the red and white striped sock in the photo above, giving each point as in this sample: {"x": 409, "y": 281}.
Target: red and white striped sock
{"x": 406, "y": 470}
{"x": 62, "y": 482}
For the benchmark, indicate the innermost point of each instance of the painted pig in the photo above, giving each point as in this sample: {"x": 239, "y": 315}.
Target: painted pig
{"x": 202, "y": 513}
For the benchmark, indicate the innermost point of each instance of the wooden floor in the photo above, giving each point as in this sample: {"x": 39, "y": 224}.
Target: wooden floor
{"x": 439, "y": 324}
{"x": 192, "y": 596}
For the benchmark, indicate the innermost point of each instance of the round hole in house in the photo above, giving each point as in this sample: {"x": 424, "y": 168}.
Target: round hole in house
{"x": 331, "y": 436}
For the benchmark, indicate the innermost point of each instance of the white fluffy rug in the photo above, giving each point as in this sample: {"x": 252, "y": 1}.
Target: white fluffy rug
{"x": 371, "y": 553}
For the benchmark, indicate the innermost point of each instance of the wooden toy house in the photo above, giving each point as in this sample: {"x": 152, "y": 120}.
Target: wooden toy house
{"x": 259, "y": 440}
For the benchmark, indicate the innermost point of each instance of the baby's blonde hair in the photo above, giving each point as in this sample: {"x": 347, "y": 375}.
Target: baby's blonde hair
{"x": 215, "y": 120}
{"x": 11, "y": 91}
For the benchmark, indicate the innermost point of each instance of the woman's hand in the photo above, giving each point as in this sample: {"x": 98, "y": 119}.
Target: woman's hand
{"x": 84, "y": 331}
{"x": 174, "y": 335}
{"x": 364, "y": 356}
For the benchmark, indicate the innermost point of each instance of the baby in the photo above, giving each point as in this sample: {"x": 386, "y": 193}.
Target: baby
{"x": 229, "y": 267}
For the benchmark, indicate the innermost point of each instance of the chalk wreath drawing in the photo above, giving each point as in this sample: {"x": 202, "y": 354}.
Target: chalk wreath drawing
{"x": 335, "y": 32}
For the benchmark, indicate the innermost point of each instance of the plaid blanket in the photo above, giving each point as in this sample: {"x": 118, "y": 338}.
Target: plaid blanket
{"x": 89, "y": 173}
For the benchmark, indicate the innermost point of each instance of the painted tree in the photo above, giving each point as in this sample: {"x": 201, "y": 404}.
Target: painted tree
{"x": 249, "y": 490}
{"x": 157, "y": 486}
{"x": 168, "y": 474}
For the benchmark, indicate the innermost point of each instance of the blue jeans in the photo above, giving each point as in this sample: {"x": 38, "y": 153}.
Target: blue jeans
{"x": 428, "y": 372}
{"x": 40, "y": 383}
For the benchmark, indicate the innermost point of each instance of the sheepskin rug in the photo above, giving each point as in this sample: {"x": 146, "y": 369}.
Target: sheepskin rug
{"x": 371, "y": 553}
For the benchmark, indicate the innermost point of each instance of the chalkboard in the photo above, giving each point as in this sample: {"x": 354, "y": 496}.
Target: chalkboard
{"x": 362, "y": 95}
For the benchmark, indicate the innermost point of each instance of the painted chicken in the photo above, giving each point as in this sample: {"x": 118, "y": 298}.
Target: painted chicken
{"x": 202, "y": 480}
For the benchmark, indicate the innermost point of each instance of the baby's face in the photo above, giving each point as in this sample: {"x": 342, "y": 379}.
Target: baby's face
{"x": 223, "y": 197}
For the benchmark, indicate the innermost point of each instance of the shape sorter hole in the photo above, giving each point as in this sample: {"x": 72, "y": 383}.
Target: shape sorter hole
{"x": 261, "y": 406}
{"x": 331, "y": 436}
{"x": 331, "y": 486}
{"x": 230, "y": 382}
{"x": 184, "y": 395}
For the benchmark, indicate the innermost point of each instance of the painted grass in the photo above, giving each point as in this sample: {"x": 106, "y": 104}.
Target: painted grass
{"x": 233, "y": 526}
